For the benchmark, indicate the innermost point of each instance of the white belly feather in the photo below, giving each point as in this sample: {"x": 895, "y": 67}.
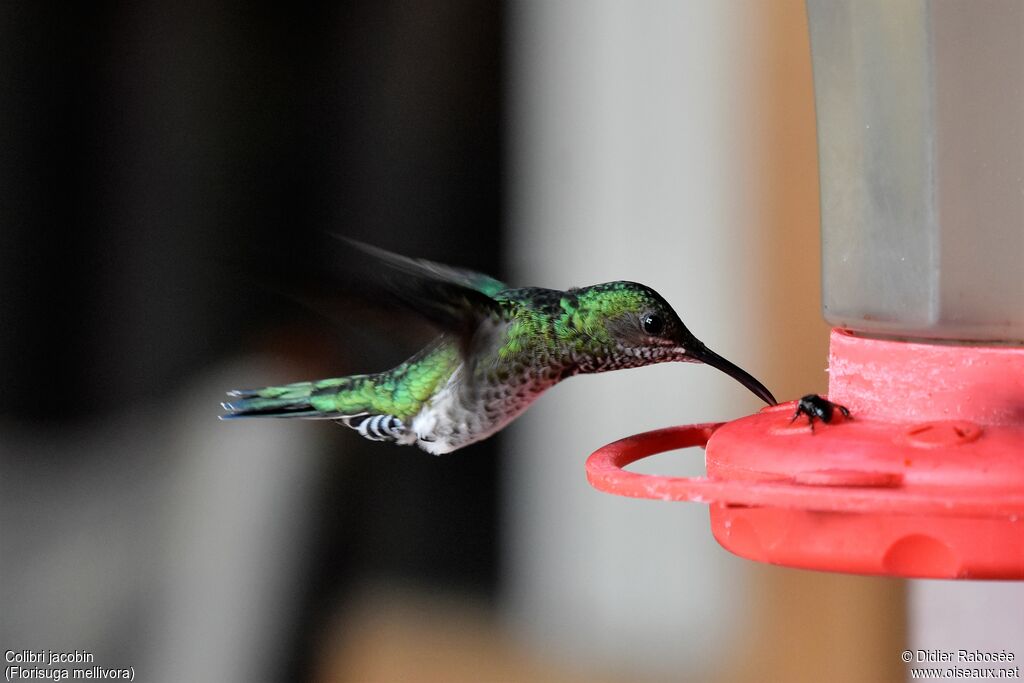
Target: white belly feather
{"x": 459, "y": 415}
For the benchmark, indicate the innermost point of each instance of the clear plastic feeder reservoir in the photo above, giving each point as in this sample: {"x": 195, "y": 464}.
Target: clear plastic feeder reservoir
{"x": 920, "y": 111}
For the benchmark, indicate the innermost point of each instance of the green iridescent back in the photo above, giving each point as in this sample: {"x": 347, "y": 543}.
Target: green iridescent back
{"x": 577, "y": 322}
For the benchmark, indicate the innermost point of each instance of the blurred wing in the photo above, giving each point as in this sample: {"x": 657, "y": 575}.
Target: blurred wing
{"x": 485, "y": 284}
{"x": 453, "y": 299}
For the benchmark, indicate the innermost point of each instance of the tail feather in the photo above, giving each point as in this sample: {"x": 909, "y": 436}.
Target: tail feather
{"x": 301, "y": 399}
{"x": 237, "y": 410}
{"x": 292, "y": 400}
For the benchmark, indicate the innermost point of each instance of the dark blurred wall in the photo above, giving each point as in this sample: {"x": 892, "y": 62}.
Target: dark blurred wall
{"x": 147, "y": 145}
{"x": 142, "y": 142}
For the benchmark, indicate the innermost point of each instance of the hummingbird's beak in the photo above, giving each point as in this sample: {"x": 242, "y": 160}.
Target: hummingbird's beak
{"x": 705, "y": 355}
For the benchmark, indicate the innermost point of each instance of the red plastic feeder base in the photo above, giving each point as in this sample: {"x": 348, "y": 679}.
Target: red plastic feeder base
{"x": 926, "y": 479}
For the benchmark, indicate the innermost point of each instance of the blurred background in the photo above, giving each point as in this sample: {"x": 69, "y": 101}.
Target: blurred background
{"x": 163, "y": 163}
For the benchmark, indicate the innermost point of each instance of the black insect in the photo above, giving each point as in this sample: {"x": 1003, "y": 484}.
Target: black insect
{"x": 817, "y": 408}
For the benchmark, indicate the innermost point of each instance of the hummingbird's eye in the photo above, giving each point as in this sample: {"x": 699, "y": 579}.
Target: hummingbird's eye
{"x": 652, "y": 324}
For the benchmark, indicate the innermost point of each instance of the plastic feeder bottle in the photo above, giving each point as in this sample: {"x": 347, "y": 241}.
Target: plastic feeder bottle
{"x": 920, "y": 110}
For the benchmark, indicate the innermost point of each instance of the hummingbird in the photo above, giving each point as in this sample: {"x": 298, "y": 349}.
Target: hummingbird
{"x": 500, "y": 348}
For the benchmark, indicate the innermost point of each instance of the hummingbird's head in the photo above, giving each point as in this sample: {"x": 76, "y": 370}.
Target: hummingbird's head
{"x": 638, "y": 327}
